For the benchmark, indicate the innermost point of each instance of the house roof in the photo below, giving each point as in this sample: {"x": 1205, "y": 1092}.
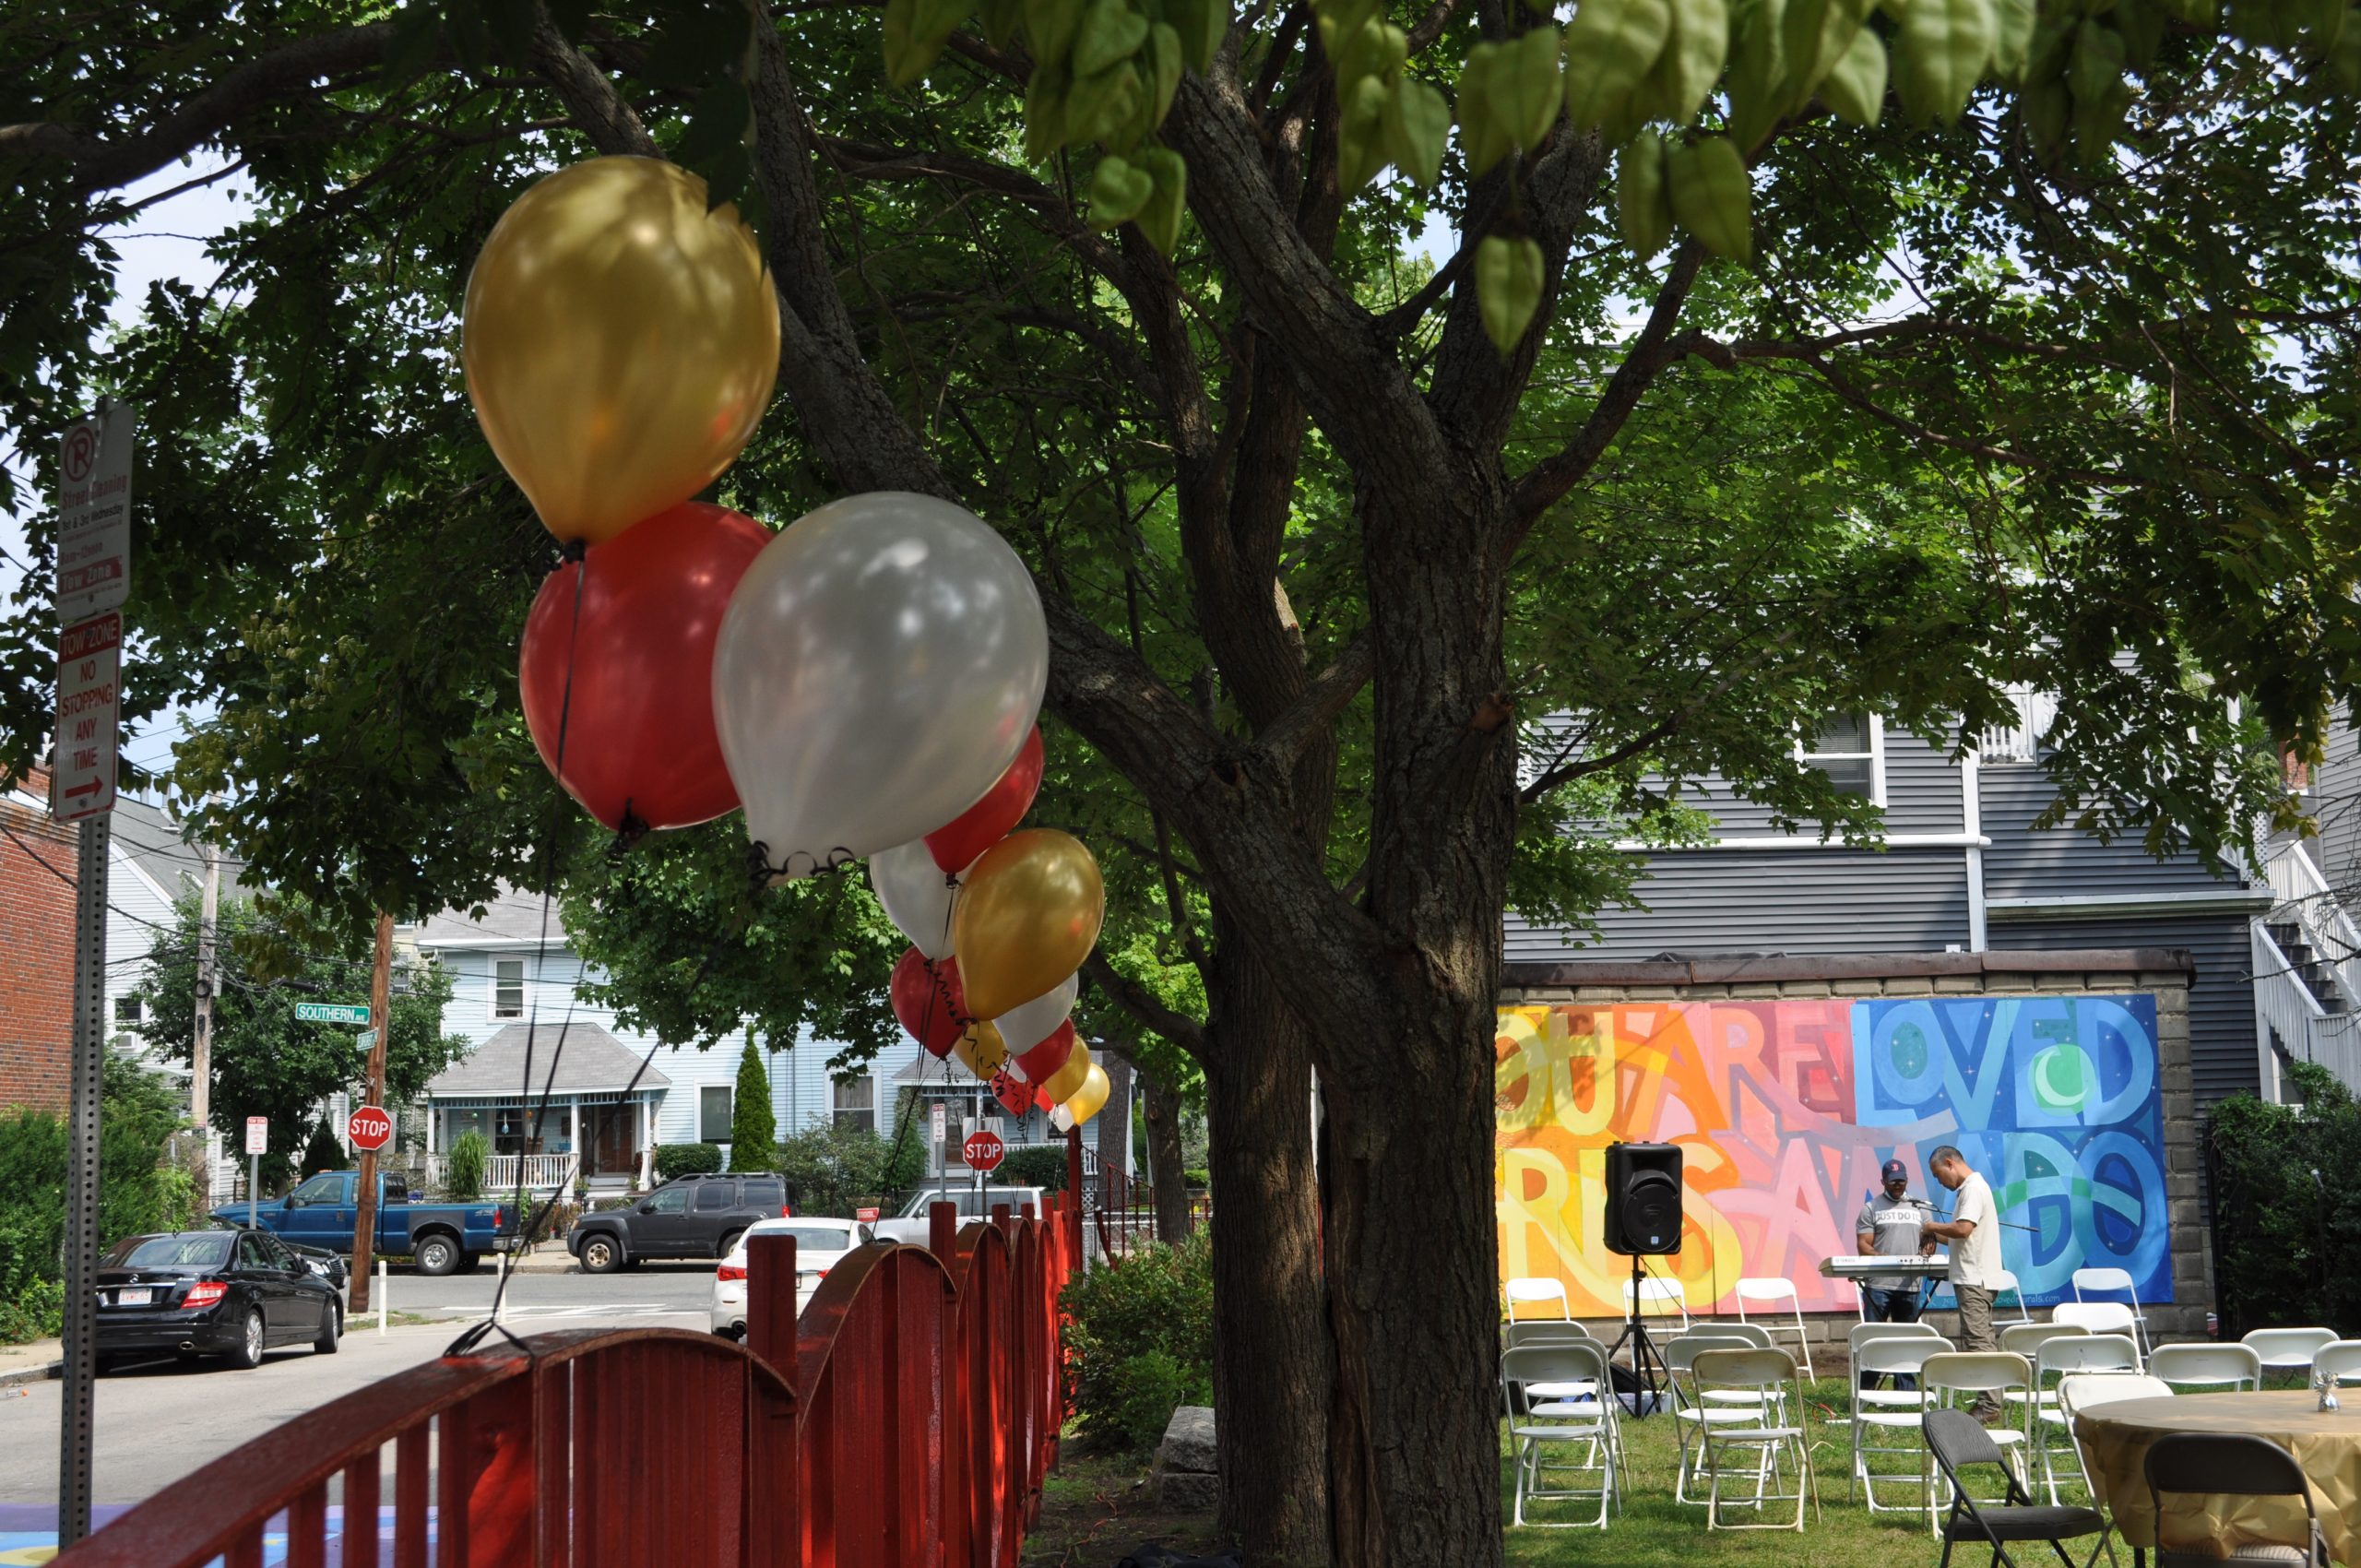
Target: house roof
{"x": 925, "y": 1071}
{"x": 511, "y": 917}
{"x": 588, "y": 1060}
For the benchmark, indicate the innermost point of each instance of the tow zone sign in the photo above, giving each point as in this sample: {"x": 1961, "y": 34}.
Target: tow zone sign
{"x": 90, "y": 703}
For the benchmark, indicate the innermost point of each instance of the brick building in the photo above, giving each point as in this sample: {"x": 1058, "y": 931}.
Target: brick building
{"x": 36, "y": 951}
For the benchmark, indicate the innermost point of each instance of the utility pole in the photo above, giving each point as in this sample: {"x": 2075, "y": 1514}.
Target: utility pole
{"x": 200, "y": 1056}
{"x": 381, "y": 1024}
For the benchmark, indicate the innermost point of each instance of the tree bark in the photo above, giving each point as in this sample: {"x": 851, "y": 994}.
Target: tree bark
{"x": 1160, "y": 1107}
{"x": 1272, "y": 1370}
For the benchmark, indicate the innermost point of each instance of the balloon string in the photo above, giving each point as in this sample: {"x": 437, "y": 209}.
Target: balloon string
{"x": 763, "y": 873}
{"x": 629, "y": 831}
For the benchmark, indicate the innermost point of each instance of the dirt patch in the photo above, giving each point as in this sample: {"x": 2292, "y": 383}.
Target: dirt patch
{"x": 1095, "y": 1508}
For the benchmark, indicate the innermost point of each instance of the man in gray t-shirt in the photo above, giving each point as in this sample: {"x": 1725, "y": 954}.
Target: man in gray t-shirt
{"x": 1889, "y": 1227}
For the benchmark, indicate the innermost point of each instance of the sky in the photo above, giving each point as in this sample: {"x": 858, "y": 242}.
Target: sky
{"x": 166, "y": 241}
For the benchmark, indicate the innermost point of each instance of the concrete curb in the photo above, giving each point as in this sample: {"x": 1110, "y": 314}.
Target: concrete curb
{"x": 39, "y": 1371}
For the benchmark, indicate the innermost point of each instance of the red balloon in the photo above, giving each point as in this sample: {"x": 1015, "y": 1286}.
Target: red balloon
{"x": 1041, "y": 1063}
{"x": 640, "y": 735}
{"x": 929, "y": 1001}
{"x": 1014, "y": 1097}
{"x": 985, "y": 824}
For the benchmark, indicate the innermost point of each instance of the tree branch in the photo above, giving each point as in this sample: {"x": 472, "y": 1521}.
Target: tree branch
{"x": 1144, "y": 1005}
{"x": 1315, "y": 708}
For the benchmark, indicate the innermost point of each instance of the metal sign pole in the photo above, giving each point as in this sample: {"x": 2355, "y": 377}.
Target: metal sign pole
{"x": 82, "y": 1189}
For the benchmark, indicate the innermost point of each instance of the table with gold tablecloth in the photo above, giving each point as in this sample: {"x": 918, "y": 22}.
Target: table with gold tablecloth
{"x": 2115, "y": 1438}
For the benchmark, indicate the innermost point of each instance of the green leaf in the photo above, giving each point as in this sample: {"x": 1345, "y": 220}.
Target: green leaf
{"x": 1377, "y": 50}
{"x": 1711, "y": 195}
{"x": 1483, "y": 124}
{"x": 1692, "y": 61}
{"x": 1202, "y": 24}
{"x": 1757, "y": 69}
{"x": 1815, "y": 34}
{"x": 1111, "y": 32}
{"x": 1642, "y": 210}
{"x": 1102, "y": 105}
{"x": 1418, "y": 122}
{"x": 1045, "y": 111}
{"x": 1001, "y": 19}
{"x": 1610, "y": 46}
{"x": 1940, "y": 52}
{"x": 1164, "y": 54}
{"x": 2012, "y": 43}
{"x": 2097, "y": 63}
{"x": 1508, "y": 288}
{"x": 1117, "y": 191}
{"x": 916, "y": 32}
{"x": 1050, "y": 29}
{"x": 1529, "y": 73}
{"x": 1855, "y": 88}
{"x": 1360, "y": 140}
{"x": 1159, "y": 219}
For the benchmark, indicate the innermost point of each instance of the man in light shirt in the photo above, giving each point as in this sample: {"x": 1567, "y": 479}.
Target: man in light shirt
{"x": 1974, "y": 1234}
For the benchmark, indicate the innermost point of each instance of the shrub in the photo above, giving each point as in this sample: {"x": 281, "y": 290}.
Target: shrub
{"x": 1043, "y": 1167}
{"x": 686, "y": 1159}
{"x": 753, "y": 1131}
{"x": 834, "y": 1169}
{"x": 1140, "y": 1340}
{"x": 463, "y": 1168}
{"x": 322, "y": 1152}
{"x": 2287, "y": 1220}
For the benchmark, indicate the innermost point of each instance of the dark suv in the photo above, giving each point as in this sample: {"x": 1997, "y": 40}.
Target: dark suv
{"x": 689, "y": 1217}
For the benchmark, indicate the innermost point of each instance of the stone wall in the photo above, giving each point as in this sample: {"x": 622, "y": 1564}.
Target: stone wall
{"x": 2164, "y": 973}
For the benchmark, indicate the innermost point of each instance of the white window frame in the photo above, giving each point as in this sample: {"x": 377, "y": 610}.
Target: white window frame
{"x": 1876, "y": 755}
{"x": 839, "y": 1111}
{"x": 128, "y": 1013}
{"x": 498, "y": 986}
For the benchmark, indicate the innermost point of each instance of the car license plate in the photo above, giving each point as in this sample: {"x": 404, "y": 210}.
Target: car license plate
{"x": 129, "y": 1297}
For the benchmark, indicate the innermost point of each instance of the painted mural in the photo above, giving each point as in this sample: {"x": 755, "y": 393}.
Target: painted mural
{"x": 1786, "y": 1110}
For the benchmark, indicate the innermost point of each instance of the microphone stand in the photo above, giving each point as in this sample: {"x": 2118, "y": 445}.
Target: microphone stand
{"x": 2004, "y": 1224}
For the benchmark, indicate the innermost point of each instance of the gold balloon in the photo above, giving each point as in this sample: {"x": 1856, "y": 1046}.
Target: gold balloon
{"x": 619, "y": 342}
{"x": 1084, "y": 1102}
{"x": 982, "y": 1051}
{"x": 1028, "y": 912}
{"x": 1067, "y": 1081}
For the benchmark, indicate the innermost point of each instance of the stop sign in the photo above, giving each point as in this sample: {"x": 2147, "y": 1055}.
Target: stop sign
{"x": 983, "y": 1151}
{"x": 369, "y": 1128}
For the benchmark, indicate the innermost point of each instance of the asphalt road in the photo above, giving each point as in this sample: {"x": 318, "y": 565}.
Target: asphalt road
{"x": 157, "y": 1422}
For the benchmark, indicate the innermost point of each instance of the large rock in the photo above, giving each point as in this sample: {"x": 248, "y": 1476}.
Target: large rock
{"x": 1187, "y": 1491}
{"x": 1188, "y": 1442}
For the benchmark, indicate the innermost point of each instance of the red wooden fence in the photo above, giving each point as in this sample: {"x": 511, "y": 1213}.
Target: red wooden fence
{"x": 907, "y": 1420}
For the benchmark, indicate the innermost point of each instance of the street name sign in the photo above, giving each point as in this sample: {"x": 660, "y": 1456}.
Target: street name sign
{"x": 94, "y": 514}
{"x": 983, "y": 1151}
{"x": 369, "y": 1128}
{"x": 331, "y": 1012}
{"x": 90, "y": 703}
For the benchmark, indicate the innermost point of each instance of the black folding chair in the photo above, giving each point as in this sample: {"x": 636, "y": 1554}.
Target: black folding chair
{"x": 2207, "y": 1464}
{"x": 1957, "y": 1439}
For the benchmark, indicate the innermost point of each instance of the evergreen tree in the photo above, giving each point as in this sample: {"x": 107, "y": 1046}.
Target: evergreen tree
{"x": 753, "y": 1131}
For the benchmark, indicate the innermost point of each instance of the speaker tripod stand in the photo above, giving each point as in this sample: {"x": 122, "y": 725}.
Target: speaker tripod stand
{"x": 1647, "y": 1362}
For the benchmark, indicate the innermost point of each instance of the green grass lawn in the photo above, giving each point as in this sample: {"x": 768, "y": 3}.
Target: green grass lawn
{"x": 1652, "y": 1531}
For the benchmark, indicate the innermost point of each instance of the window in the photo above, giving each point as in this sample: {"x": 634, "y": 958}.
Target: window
{"x": 766, "y": 1193}
{"x": 669, "y": 1200}
{"x": 321, "y": 1190}
{"x": 712, "y": 1113}
{"x": 508, "y": 988}
{"x": 856, "y": 1102}
{"x": 1848, "y": 749}
{"x": 126, "y": 1009}
{"x": 717, "y": 1197}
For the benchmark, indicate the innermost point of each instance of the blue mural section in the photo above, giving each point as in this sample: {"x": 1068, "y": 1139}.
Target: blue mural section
{"x": 2055, "y": 1099}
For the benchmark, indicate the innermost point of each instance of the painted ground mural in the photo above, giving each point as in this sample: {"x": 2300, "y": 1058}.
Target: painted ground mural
{"x": 1784, "y": 1110}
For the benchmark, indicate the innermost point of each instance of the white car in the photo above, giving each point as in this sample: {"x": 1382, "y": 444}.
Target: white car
{"x": 819, "y": 1245}
{"x": 912, "y": 1224}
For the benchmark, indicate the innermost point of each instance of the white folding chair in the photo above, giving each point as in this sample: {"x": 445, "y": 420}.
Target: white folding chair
{"x": 2024, "y": 1338}
{"x": 1769, "y": 1437}
{"x": 2079, "y": 1392}
{"x": 1541, "y": 1374}
{"x": 2289, "y": 1349}
{"x": 1692, "y": 1409}
{"x": 1862, "y": 1333}
{"x": 2340, "y": 1363}
{"x": 1890, "y": 1412}
{"x": 2004, "y": 1283}
{"x": 2074, "y": 1356}
{"x": 1543, "y": 1331}
{"x": 1771, "y": 1293}
{"x": 1529, "y": 1289}
{"x": 2099, "y": 1281}
{"x": 1667, "y": 1295}
{"x": 2099, "y": 1317}
{"x": 2207, "y": 1366}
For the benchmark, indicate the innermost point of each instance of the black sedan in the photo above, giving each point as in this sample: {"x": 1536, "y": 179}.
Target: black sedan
{"x": 231, "y": 1293}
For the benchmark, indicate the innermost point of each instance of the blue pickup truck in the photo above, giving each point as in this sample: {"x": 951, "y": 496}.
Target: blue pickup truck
{"x": 440, "y": 1238}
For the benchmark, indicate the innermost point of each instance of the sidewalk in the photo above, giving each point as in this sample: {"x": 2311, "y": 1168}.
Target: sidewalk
{"x": 30, "y": 1362}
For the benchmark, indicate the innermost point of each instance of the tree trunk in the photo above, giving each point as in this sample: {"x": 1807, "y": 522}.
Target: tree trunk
{"x": 1160, "y": 1107}
{"x": 1272, "y": 1368}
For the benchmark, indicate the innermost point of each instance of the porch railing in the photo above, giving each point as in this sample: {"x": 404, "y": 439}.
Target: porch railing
{"x": 543, "y": 1173}
{"x": 2300, "y": 892}
{"x": 2285, "y": 1007}
{"x": 908, "y": 1418}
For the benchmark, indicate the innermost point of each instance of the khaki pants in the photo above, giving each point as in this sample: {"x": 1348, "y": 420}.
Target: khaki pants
{"x": 1976, "y": 1334}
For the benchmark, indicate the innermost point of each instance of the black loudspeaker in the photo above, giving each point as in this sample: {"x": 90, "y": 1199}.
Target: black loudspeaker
{"x": 1643, "y": 1199}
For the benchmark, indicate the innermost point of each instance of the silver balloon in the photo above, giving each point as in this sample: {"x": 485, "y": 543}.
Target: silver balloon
{"x": 1061, "y": 1119}
{"x": 917, "y": 895}
{"x": 879, "y": 667}
{"x": 1035, "y": 1021}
